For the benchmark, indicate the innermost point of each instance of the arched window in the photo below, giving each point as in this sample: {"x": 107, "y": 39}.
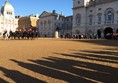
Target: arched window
{"x": 78, "y": 19}
{"x": 109, "y": 15}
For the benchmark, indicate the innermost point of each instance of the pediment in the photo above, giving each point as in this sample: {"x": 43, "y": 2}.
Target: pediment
{"x": 44, "y": 14}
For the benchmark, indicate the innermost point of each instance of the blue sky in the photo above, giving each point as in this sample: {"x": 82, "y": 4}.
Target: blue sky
{"x": 27, "y": 7}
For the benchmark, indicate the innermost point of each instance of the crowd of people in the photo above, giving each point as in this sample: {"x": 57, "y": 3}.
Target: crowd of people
{"x": 79, "y": 36}
{"x": 113, "y": 36}
{"x": 21, "y": 34}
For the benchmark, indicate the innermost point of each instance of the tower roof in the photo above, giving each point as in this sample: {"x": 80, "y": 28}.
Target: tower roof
{"x": 7, "y": 6}
{"x": 7, "y": 3}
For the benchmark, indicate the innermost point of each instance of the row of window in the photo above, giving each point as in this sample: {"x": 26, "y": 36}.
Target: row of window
{"x": 45, "y": 22}
{"x": 9, "y": 13}
{"x": 7, "y": 20}
{"x": 98, "y": 9}
{"x": 27, "y": 26}
{"x": 109, "y": 17}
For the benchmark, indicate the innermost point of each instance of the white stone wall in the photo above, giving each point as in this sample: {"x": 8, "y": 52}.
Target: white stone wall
{"x": 81, "y": 27}
{"x": 8, "y": 24}
{"x": 46, "y": 29}
{"x": 7, "y": 21}
{"x": 49, "y": 30}
{"x": 85, "y": 27}
{"x": 80, "y": 3}
{"x": 68, "y": 25}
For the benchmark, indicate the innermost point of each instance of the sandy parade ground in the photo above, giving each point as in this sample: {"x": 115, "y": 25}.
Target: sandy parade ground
{"x": 58, "y": 61}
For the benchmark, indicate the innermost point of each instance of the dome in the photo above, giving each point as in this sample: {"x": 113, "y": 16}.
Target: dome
{"x": 7, "y": 7}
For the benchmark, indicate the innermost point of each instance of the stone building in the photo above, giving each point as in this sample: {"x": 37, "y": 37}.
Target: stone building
{"x": 68, "y": 25}
{"x": 49, "y": 22}
{"x": 28, "y": 22}
{"x": 7, "y": 18}
{"x": 95, "y": 17}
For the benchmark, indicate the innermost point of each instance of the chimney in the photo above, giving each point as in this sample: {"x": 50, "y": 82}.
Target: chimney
{"x": 53, "y": 11}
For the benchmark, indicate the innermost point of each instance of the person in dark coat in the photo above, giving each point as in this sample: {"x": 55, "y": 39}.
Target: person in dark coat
{"x": 36, "y": 34}
{"x": 19, "y": 34}
{"x": 4, "y": 34}
{"x": 16, "y": 34}
{"x": 10, "y": 34}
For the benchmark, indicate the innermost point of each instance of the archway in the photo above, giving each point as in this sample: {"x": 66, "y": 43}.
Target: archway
{"x": 108, "y": 31}
{"x": 117, "y": 31}
{"x": 99, "y": 33}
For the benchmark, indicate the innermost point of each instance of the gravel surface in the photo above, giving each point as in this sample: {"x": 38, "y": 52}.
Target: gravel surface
{"x": 58, "y": 61}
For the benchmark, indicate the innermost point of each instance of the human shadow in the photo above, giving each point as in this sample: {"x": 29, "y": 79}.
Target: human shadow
{"x": 97, "y": 72}
{"x": 102, "y": 52}
{"x": 3, "y": 81}
{"x": 53, "y": 72}
{"x": 92, "y": 57}
{"x": 111, "y": 49}
{"x": 18, "y": 77}
{"x": 106, "y": 55}
{"x": 72, "y": 71}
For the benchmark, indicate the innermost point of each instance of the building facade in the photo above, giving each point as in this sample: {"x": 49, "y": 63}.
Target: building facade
{"x": 95, "y": 17}
{"x": 68, "y": 25}
{"x": 49, "y": 22}
{"x": 28, "y": 22}
{"x": 8, "y": 21}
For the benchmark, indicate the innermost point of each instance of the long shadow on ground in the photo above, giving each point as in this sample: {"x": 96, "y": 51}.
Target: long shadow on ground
{"x": 18, "y": 77}
{"x": 99, "y": 42}
{"x": 3, "y": 81}
{"x": 79, "y": 67}
{"x": 73, "y": 71}
{"x": 47, "y": 69}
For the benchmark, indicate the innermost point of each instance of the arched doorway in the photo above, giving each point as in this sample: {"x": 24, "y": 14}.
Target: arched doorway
{"x": 117, "y": 31}
{"x": 108, "y": 31}
{"x": 99, "y": 33}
